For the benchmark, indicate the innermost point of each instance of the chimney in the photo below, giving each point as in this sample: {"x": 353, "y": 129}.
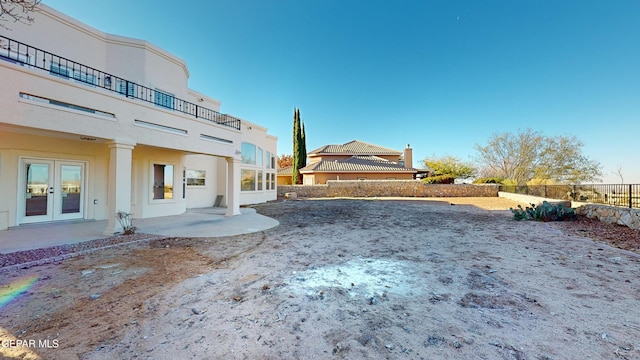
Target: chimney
{"x": 408, "y": 157}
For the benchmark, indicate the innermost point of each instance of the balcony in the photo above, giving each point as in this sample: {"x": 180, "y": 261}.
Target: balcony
{"x": 25, "y": 55}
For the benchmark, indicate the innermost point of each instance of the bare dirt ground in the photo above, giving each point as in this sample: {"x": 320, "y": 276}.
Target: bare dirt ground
{"x": 344, "y": 279}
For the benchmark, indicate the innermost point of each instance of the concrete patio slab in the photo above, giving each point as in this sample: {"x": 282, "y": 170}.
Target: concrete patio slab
{"x": 205, "y": 222}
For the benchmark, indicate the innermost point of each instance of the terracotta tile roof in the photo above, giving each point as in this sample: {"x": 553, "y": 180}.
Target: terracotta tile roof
{"x": 354, "y": 147}
{"x": 286, "y": 171}
{"x": 356, "y": 164}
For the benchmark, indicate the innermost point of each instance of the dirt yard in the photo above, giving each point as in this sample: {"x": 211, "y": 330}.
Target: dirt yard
{"x": 342, "y": 279}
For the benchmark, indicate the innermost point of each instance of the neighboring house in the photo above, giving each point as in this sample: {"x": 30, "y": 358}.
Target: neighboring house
{"x": 94, "y": 123}
{"x": 357, "y": 160}
{"x": 285, "y": 176}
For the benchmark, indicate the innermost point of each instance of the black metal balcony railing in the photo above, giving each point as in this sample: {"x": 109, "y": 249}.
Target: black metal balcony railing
{"x": 25, "y": 55}
{"x": 627, "y": 195}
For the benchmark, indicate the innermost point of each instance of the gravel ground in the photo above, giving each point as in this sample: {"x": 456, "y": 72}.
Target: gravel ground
{"x": 344, "y": 279}
{"x": 28, "y": 258}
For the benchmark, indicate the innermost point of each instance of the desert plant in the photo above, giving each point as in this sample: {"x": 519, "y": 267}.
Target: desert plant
{"x": 438, "y": 179}
{"x": 126, "y": 221}
{"x": 488, "y": 180}
{"x": 544, "y": 212}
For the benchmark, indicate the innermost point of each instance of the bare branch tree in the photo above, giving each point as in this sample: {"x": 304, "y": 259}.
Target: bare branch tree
{"x": 17, "y": 11}
{"x": 619, "y": 173}
{"x": 529, "y": 155}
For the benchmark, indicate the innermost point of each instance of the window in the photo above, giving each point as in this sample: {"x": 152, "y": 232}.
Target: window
{"x": 248, "y": 153}
{"x": 162, "y": 181}
{"x": 196, "y": 177}
{"x": 85, "y": 77}
{"x": 163, "y": 99}
{"x": 15, "y": 56}
{"x": 65, "y": 72}
{"x": 273, "y": 161}
{"x": 259, "y": 162}
{"x": 63, "y": 104}
{"x": 248, "y": 178}
{"x": 259, "y": 180}
{"x": 125, "y": 88}
{"x": 271, "y": 181}
{"x": 58, "y": 70}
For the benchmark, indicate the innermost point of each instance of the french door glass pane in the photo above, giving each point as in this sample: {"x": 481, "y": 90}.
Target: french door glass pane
{"x": 36, "y": 198}
{"x": 71, "y": 181}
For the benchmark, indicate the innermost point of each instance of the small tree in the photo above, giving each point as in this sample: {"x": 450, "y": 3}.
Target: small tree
{"x": 17, "y": 11}
{"x": 450, "y": 166}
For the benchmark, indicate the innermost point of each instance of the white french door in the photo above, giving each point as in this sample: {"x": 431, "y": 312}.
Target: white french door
{"x": 51, "y": 190}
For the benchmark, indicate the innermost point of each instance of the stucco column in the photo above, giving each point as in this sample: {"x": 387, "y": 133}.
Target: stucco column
{"x": 119, "y": 183}
{"x": 233, "y": 186}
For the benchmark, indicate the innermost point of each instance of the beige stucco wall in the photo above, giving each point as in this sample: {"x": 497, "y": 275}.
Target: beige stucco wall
{"x": 205, "y": 196}
{"x": 142, "y": 203}
{"x": 17, "y": 146}
{"x": 36, "y": 128}
{"x": 284, "y": 180}
{"x": 257, "y": 135}
{"x": 133, "y": 59}
{"x": 389, "y": 188}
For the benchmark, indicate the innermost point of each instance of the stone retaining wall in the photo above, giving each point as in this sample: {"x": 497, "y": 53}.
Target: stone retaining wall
{"x": 388, "y": 188}
{"x": 612, "y": 214}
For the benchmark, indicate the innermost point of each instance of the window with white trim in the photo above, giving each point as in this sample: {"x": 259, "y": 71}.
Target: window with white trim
{"x": 248, "y": 153}
{"x": 270, "y": 181}
{"x": 248, "y": 180}
{"x": 196, "y": 177}
{"x": 162, "y": 181}
{"x": 271, "y": 160}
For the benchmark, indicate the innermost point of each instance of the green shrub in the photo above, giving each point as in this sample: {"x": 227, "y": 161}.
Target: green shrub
{"x": 544, "y": 212}
{"x": 488, "y": 180}
{"x": 438, "y": 179}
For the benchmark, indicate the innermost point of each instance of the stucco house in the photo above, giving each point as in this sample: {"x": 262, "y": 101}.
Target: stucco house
{"x": 357, "y": 160}
{"x": 285, "y": 175}
{"x": 93, "y": 123}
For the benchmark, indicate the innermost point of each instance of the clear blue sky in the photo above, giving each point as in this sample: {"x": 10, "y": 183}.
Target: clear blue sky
{"x": 440, "y": 75}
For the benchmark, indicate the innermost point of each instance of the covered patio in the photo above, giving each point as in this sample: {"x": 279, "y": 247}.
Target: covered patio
{"x": 204, "y": 222}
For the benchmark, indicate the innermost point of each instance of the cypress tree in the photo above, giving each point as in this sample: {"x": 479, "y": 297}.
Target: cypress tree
{"x": 303, "y": 143}
{"x": 295, "y": 174}
{"x": 299, "y": 148}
